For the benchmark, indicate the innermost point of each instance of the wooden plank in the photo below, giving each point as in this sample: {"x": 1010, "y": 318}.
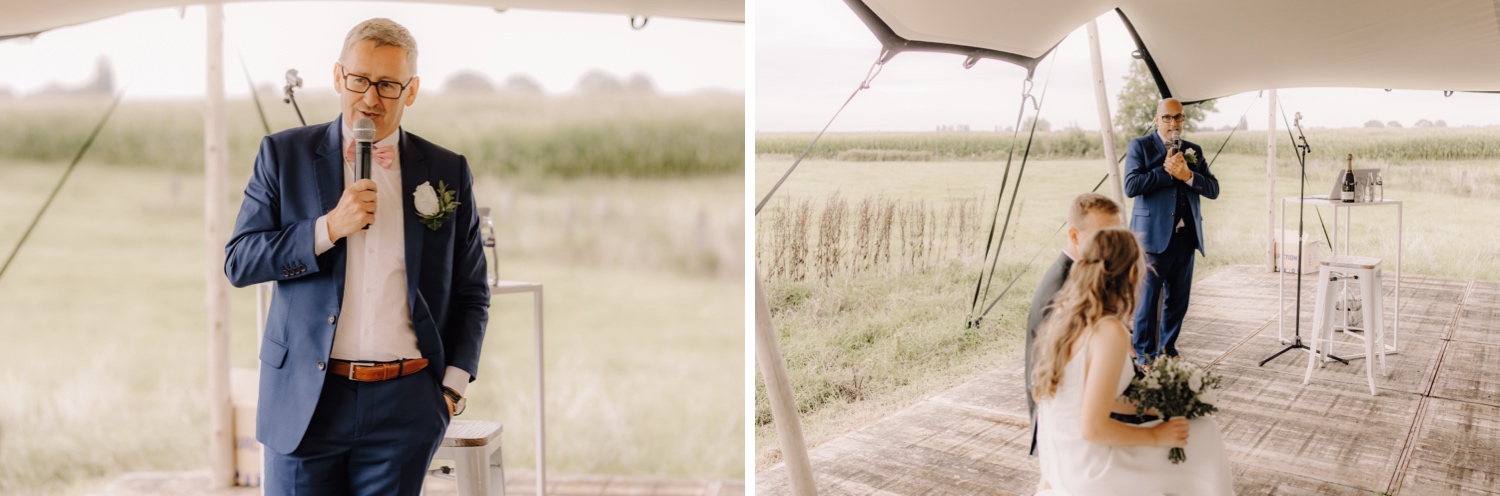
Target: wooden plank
{"x": 1407, "y": 371}
{"x": 1471, "y": 373}
{"x": 1457, "y": 451}
{"x": 999, "y": 392}
{"x": 1250, "y": 480}
{"x": 1327, "y": 430}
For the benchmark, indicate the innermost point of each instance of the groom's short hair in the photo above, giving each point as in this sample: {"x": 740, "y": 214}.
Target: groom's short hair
{"x": 1086, "y": 204}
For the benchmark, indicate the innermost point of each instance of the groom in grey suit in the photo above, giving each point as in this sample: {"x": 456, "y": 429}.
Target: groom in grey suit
{"x": 1089, "y": 213}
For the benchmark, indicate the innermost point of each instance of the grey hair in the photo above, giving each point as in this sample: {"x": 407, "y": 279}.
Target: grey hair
{"x": 383, "y": 32}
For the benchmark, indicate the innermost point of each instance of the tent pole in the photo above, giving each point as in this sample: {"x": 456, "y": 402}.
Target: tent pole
{"x": 1271, "y": 184}
{"x": 1106, "y": 127}
{"x": 783, "y": 401}
{"x": 215, "y": 161}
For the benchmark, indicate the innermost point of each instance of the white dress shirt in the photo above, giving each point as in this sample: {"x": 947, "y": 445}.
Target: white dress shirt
{"x": 375, "y": 321}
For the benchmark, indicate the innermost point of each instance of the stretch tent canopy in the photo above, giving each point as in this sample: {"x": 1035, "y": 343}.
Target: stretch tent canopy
{"x": 1200, "y": 50}
{"x": 26, "y": 18}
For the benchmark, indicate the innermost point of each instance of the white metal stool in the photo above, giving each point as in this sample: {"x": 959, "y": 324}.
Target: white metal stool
{"x": 1366, "y": 271}
{"x": 474, "y": 447}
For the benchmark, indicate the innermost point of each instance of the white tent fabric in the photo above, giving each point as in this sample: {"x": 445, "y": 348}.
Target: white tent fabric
{"x": 24, "y": 17}
{"x": 1201, "y": 50}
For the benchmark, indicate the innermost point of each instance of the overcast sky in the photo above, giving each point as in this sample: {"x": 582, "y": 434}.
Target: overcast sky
{"x": 810, "y": 54}
{"x": 160, "y": 53}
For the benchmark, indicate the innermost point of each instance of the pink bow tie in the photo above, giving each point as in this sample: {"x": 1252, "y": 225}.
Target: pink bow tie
{"x": 383, "y": 154}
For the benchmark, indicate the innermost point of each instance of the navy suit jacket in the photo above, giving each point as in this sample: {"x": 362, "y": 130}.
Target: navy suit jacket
{"x": 298, "y": 177}
{"x": 1147, "y": 180}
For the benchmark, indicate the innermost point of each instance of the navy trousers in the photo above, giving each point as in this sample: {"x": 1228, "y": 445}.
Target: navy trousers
{"x": 1164, "y": 297}
{"x": 366, "y": 438}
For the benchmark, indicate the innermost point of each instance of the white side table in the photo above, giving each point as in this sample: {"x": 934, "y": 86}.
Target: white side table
{"x": 535, "y": 288}
{"x": 1393, "y": 347}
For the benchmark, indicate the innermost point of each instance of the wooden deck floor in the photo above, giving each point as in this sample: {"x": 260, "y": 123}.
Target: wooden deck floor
{"x": 520, "y": 484}
{"x": 1434, "y": 429}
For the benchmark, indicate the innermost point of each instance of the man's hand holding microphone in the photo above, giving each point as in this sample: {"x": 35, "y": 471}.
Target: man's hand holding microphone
{"x": 356, "y": 209}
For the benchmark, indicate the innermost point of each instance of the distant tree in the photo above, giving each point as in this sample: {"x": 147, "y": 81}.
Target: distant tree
{"x": 640, "y": 83}
{"x": 522, "y": 84}
{"x": 1042, "y": 125}
{"x": 1244, "y": 124}
{"x": 1393, "y": 124}
{"x": 1372, "y": 123}
{"x": 1226, "y": 127}
{"x": 104, "y": 79}
{"x": 468, "y": 82}
{"x": 1138, "y": 100}
{"x": 1423, "y": 123}
{"x": 597, "y": 81}
{"x": 1440, "y": 123}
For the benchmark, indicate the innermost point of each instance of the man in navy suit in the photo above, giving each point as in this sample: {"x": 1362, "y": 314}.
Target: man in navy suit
{"x": 381, "y": 296}
{"x": 1167, "y": 178}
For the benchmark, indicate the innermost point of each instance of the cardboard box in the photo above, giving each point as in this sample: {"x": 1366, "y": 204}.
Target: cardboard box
{"x": 1286, "y": 253}
{"x": 244, "y": 388}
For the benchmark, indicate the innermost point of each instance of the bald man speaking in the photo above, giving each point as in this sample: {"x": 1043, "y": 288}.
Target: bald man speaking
{"x": 1167, "y": 176}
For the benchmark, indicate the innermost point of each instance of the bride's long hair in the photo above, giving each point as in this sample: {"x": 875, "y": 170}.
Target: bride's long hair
{"x": 1102, "y": 282}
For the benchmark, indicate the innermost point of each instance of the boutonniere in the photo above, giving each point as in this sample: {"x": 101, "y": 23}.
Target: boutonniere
{"x": 434, "y": 207}
{"x": 1192, "y": 156}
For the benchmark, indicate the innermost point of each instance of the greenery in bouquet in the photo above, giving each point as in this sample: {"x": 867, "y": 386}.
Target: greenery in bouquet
{"x": 1173, "y": 387}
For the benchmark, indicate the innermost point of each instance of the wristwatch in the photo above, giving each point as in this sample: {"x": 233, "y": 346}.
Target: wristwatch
{"x": 459, "y": 402}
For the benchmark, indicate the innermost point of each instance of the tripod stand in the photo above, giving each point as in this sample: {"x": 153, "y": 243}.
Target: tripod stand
{"x": 1300, "y": 144}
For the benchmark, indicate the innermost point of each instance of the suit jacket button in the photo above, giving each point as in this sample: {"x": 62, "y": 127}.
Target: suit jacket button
{"x": 320, "y": 365}
{"x": 330, "y": 319}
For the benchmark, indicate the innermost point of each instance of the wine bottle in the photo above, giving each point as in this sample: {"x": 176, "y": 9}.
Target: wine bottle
{"x": 1347, "y": 192}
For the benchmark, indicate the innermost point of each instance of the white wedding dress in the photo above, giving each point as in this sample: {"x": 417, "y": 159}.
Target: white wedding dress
{"x": 1075, "y": 467}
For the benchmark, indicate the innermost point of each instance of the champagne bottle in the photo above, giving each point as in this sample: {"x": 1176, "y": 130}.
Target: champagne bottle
{"x": 1347, "y": 192}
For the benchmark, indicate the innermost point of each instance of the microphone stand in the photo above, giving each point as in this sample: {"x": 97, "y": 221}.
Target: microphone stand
{"x": 1302, "y": 149}
{"x": 293, "y": 82}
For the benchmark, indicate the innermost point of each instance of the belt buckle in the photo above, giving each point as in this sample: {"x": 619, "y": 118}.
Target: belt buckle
{"x": 353, "y": 365}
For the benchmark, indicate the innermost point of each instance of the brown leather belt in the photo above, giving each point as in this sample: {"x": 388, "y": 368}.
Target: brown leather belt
{"x": 373, "y": 371}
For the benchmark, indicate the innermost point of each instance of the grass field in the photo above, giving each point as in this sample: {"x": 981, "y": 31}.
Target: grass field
{"x": 102, "y": 315}
{"x": 863, "y": 343}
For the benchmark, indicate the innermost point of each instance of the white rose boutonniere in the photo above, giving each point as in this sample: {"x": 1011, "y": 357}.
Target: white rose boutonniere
{"x": 434, "y": 207}
{"x": 1192, "y": 156}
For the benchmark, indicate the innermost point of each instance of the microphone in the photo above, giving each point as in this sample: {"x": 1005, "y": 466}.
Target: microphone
{"x": 364, "y": 136}
{"x": 1176, "y": 142}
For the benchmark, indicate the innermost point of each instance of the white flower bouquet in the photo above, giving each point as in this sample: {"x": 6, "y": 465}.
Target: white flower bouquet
{"x": 1174, "y": 388}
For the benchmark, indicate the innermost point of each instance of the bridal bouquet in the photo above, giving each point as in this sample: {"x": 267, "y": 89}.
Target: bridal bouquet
{"x": 1174, "y": 388}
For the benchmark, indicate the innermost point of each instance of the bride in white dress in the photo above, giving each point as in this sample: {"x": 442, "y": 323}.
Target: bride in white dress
{"x": 1082, "y": 368}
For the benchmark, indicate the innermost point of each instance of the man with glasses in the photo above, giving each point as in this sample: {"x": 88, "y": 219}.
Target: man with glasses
{"x": 1167, "y": 177}
{"x": 381, "y": 296}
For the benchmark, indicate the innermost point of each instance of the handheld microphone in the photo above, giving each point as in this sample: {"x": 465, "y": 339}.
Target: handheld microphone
{"x": 364, "y": 137}
{"x": 1176, "y": 142}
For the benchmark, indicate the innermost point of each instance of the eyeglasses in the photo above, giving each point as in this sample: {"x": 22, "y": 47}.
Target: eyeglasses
{"x": 1173, "y": 117}
{"x": 386, "y": 89}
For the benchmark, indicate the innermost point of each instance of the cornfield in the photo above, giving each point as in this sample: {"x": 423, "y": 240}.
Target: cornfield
{"x": 1406, "y": 144}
